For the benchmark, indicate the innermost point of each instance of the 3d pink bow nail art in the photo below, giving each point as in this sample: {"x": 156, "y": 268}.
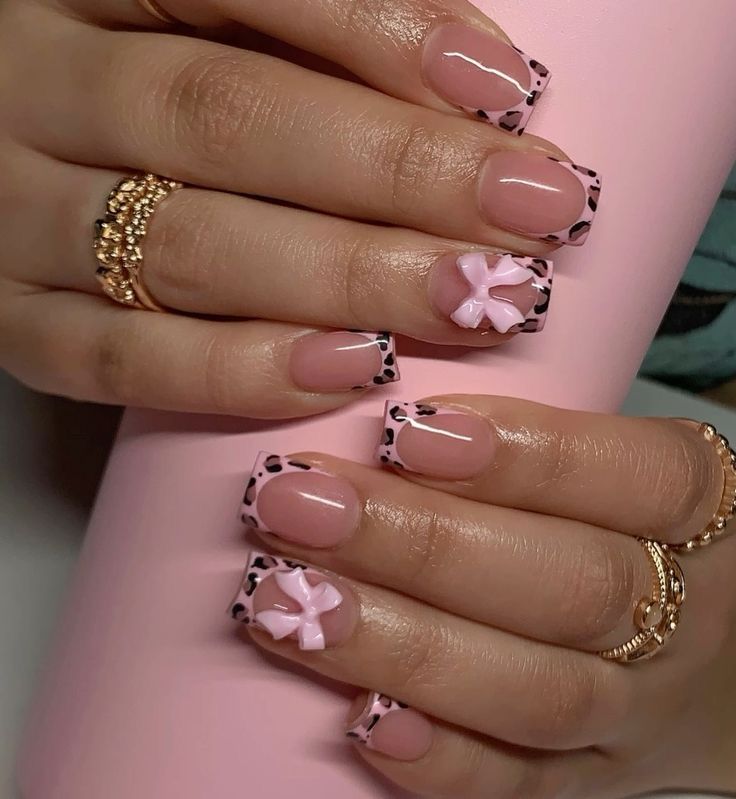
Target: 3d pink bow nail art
{"x": 314, "y": 601}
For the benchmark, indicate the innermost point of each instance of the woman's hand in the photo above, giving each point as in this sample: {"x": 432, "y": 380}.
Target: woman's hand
{"x": 361, "y": 194}
{"x": 478, "y": 584}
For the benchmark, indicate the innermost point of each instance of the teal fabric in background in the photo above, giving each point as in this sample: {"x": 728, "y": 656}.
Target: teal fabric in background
{"x": 695, "y": 348}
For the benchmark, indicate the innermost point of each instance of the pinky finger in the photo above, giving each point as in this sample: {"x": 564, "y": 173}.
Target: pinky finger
{"x": 432, "y": 759}
{"x": 85, "y": 347}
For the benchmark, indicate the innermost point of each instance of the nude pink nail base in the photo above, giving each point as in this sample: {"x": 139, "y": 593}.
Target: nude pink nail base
{"x": 515, "y": 119}
{"x": 489, "y": 275}
{"x": 377, "y": 706}
{"x": 576, "y": 234}
{"x": 386, "y": 345}
{"x": 314, "y": 599}
{"x": 397, "y": 415}
{"x": 267, "y": 466}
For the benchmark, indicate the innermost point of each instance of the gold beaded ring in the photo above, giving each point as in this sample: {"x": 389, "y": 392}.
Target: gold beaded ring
{"x": 716, "y": 529}
{"x": 119, "y": 238}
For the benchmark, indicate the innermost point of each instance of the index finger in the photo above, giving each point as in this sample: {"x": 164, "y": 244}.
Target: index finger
{"x": 655, "y": 478}
{"x": 443, "y": 54}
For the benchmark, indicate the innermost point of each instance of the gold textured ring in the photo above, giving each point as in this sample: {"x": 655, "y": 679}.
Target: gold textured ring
{"x": 153, "y": 8}
{"x": 727, "y": 509}
{"x": 655, "y": 617}
{"x": 119, "y": 238}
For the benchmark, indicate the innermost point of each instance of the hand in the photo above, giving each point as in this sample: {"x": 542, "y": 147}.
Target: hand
{"x": 477, "y": 585}
{"x": 311, "y": 202}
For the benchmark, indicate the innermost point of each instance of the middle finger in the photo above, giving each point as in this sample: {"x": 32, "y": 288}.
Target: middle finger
{"x": 229, "y": 119}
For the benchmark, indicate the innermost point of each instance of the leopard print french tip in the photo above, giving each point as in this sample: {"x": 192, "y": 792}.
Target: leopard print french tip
{"x": 311, "y": 600}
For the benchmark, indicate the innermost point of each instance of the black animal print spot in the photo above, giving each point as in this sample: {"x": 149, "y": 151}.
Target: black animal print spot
{"x": 389, "y": 360}
{"x": 388, "y": 437}
{"x": 264, "y": 562}
{"x": 250, "y": 493}
{"x": 351, "y": 734}
{"x": 511, "y": 120}
{"x": 293, "y": 564}
{"x": 249, "y": 520}
{"x": 374, "y": 720}
{"x": 300, "y": 465}
{"x": 272, "y": 464}
{"x": 532, "y": 97}
{"x": 397, "y": 413}
{"x": 426, "y": 410}
{"x": 579, "y": 230}
{"x": 237, "y": 609}
{"x": 481, "y": 113}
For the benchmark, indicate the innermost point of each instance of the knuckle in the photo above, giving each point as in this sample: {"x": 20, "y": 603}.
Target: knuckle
{"x": 214, "y": 102}
{"x": 417, "y": 159}
{"x": 421, "y": 660}
{"x": 114, "y": 369}
{"x": 363, "y": 271}
{"x": 684, "y": 483}
{"x": 183, "y": 249}
{"x": 569, "y": 714}
{"x": 433, "y": 546}
{"x": 597, "y": 590}
{"x": 402, "y": 23}
{"x": 222, "y": 364}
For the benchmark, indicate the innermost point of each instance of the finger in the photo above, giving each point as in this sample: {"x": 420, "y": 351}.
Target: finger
{"x": 656, "y": 478}
{"x": 249, "y": 123}
{"x": 552, "y": 579}
{"x": 88, "y": 348}
{"x": 462, "y": 672}
{"x": 204, "y": 253}
{"x": 430, "y": 758}
{"x": 443, "y": 54}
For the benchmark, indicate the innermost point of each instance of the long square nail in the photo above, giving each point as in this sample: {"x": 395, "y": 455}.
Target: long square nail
{"x": 343, "y": 360}
{"x": 299, "y": 502}
{"x": 436, "y": 442}
{"x": 506, "y": 293}
{"x": 288, "y": 599}
{"x": 539, "y": 196}
{"x": 483, "y": 75}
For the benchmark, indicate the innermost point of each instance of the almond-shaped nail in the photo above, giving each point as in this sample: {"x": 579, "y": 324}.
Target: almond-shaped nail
{"x": 392, "y": 728}
{"x": 483, "y": 75}
{"x": 343, "y": 360}
{"x": 436, "y": 442}
{"x": 506, "y": 293}
{"x": 299, "y": 502}
{"x": 539, "y": 196}
{"x": 288, "y": 599}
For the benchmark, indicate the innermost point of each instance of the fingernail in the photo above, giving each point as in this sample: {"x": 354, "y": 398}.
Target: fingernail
{"x": 299, "y": 503}
{"x": 484, "y": 76}
{"x": 343, "y": 360}
{"x": 288, "y": 599}
{"x": 539, "y": 196}
{"x": 392, "y": 728}
{"x": 437, "y": 442}
{"x": 506, "y": 293}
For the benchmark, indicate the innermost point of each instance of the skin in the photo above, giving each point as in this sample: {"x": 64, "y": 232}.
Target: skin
{"x": 232, "y": 113}
{"x": 487, "y": 617}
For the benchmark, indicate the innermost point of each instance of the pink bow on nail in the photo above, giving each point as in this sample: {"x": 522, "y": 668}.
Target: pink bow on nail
{"x": 314, "y": 600}
{"x": 502, "y": 314}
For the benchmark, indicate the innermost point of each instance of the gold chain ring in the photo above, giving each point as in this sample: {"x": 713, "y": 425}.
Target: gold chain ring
{"x": 656, "y": 617}
{"x": 119, "y": 238}
{"x": 727, "y": 508}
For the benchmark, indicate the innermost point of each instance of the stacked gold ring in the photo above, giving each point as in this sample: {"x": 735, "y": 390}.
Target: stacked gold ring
{"x": 656, "y": 617}
{"x": 119, "y": 238}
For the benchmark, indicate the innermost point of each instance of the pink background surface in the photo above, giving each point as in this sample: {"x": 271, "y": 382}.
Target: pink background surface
{"x": 149, "y": 694}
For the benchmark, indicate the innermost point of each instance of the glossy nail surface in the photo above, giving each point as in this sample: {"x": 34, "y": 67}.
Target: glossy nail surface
{"x": 288, "y": 599}
{"x": 483, "y": 75}
{"x": 299, "y": 503}
{"x": 436, "y": 442}
{"x": 506, "y": 293}
{"x": 343, "y": 360}
{"x": 539, "y": 196}
{"x": 392, "y": 728}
